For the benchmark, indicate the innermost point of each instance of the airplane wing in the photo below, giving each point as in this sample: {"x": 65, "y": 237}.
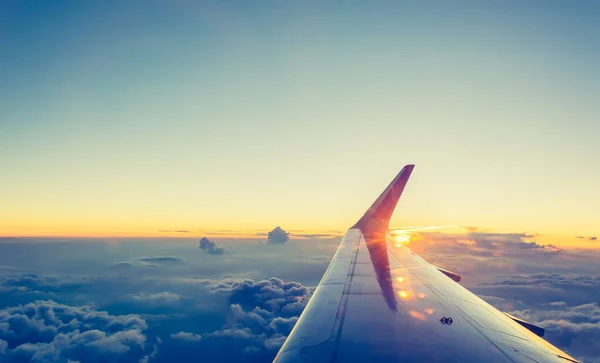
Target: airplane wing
{"x": 379, "y": 301}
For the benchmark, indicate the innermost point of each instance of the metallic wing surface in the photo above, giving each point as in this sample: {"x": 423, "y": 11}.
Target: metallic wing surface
{"x": 380, "y": 302}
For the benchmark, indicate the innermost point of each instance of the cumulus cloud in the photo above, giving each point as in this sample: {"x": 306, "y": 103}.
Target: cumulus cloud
{"x": 211, "y": 247}
{"x": 47, "y": 331}
{"x": 279, "y": 232}
{"x": 577, "y": 328}
{"x": 153, "y": 354}
{"x": 186, "y": 337}
{"x": 277, "y": 236}
{"x": 261, "y": 313}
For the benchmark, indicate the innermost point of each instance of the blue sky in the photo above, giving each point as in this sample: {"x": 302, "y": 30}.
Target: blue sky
{"x": 118, "y": 117}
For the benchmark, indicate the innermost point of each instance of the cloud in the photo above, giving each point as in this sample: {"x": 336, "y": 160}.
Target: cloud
{"x": 125, "y": 265}
{"x": 211, "y": 247}
{"x": 279, "y": 232}
{"x": 480, "y": 244}
{"x": 47, "y": 331}
{"x": 153, "y": 354}
{"x": 47, "y": 283}
{"x": 23, "y": 288}
{"x": 277, "y": 236}
{"x": 160, "y": 298}
{"x": 577, "y": 328}
{"x": 246, "y": 316}
{"x": 147, "y": 262}
{"x": 186, "y": 337}
{"x": 551, "y": 280}
{"x": 261, "y": 313}
{"x": 316, "y": 235}
{"x": 546, "y": 285}
{"x": 591, "y": 238}
{"x": 162, "y": 259}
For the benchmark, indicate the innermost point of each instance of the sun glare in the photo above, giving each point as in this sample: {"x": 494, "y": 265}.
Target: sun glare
{"x": 403, "y": 236}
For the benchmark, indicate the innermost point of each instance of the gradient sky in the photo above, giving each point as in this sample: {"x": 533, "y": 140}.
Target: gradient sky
{"x": 131, "y": 117}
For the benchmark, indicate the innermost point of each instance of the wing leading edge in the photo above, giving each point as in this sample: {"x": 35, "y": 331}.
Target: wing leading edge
{"x": 379, "y": 301}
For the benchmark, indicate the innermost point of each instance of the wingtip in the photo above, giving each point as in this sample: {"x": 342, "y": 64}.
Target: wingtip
{"x": 384, "y": 206}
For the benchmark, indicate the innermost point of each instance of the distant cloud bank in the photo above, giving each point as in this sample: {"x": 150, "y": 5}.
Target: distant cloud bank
{"x": 591, "y": 238}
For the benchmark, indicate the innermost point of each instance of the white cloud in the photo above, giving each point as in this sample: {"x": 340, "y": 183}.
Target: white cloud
{"x": 159, "y": 298}
{"x": 186, "y": 337}
{"x": 46, "y": 330}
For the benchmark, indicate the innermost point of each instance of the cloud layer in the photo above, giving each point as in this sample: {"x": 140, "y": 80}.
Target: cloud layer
{"x": 47, "y": 331}
{"x": 184, "y": 304}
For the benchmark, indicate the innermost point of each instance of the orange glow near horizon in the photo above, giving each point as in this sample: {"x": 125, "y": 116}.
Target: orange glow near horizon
{"x": 42, "y": 232}
{"x": 50, "y": 231}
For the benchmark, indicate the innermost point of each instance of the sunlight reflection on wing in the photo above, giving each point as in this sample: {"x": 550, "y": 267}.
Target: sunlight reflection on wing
{"x": 417, "y": 315}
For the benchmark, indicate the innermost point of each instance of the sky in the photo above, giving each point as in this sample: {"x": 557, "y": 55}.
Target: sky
{"x": 119, "y": 118}
{"x": 152, "y": 300}
{"x": 130, "y": 130}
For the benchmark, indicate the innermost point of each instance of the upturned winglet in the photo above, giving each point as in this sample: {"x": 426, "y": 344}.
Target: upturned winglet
{"x": 377, "y": 218}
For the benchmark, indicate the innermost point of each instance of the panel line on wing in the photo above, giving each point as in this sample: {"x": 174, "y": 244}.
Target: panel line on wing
{"x": 338, "y": 325}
